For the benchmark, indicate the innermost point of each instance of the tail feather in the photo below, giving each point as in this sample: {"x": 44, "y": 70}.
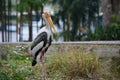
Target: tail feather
{"x": 34, "y": 62}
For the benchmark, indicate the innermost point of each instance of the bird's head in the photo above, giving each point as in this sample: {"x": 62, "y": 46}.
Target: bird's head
{"x": 47, "y": 16}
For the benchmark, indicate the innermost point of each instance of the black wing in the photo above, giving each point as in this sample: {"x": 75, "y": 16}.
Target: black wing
{"x": 41, "y": 37}
{"x": 50, "y": 41}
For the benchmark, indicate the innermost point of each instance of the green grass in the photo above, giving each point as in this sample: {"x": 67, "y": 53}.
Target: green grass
{"x": 76, "y": 65}
{"x": 73, "y": 65}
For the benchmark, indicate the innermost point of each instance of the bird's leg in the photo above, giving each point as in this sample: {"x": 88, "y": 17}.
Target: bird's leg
{"x": 43, "y": 65}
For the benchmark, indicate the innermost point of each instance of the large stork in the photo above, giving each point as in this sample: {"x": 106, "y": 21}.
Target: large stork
{"x": 42, "y": 42}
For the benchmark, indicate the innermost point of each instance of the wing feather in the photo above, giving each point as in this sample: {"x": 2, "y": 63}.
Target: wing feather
{"x": 41, "y": 37}
{"x": 39, "y": 42}
{"x": 37, "y": 47}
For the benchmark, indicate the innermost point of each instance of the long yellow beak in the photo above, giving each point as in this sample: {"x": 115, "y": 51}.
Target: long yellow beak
{"x": 52, "y": 25}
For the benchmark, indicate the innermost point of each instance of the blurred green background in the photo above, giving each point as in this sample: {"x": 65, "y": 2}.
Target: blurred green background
{"x": 75, "y": 20}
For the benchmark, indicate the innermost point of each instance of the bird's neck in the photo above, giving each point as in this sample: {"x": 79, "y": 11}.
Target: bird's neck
{"x": 47, "y": 25}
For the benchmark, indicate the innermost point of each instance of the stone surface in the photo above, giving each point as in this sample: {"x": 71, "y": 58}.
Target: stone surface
{"x": 106, "y": 48}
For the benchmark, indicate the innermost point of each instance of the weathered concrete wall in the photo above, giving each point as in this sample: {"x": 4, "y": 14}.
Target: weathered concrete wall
{"x": 111, "y": 48}
{"x": 99, "y": 47}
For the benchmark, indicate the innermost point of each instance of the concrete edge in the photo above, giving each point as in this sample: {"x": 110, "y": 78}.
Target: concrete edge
{"x": 78, "y": 42}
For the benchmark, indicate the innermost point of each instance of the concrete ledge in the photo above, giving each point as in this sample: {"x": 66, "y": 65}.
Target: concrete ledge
{"x": 106, "y": 48}
{"x": 78, "y": 42}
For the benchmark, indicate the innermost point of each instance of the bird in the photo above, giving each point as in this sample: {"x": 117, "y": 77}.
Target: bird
{"x": 42, "y": 42}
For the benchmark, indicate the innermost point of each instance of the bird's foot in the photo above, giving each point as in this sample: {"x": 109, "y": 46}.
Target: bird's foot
{"x": 44, "y": 76}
